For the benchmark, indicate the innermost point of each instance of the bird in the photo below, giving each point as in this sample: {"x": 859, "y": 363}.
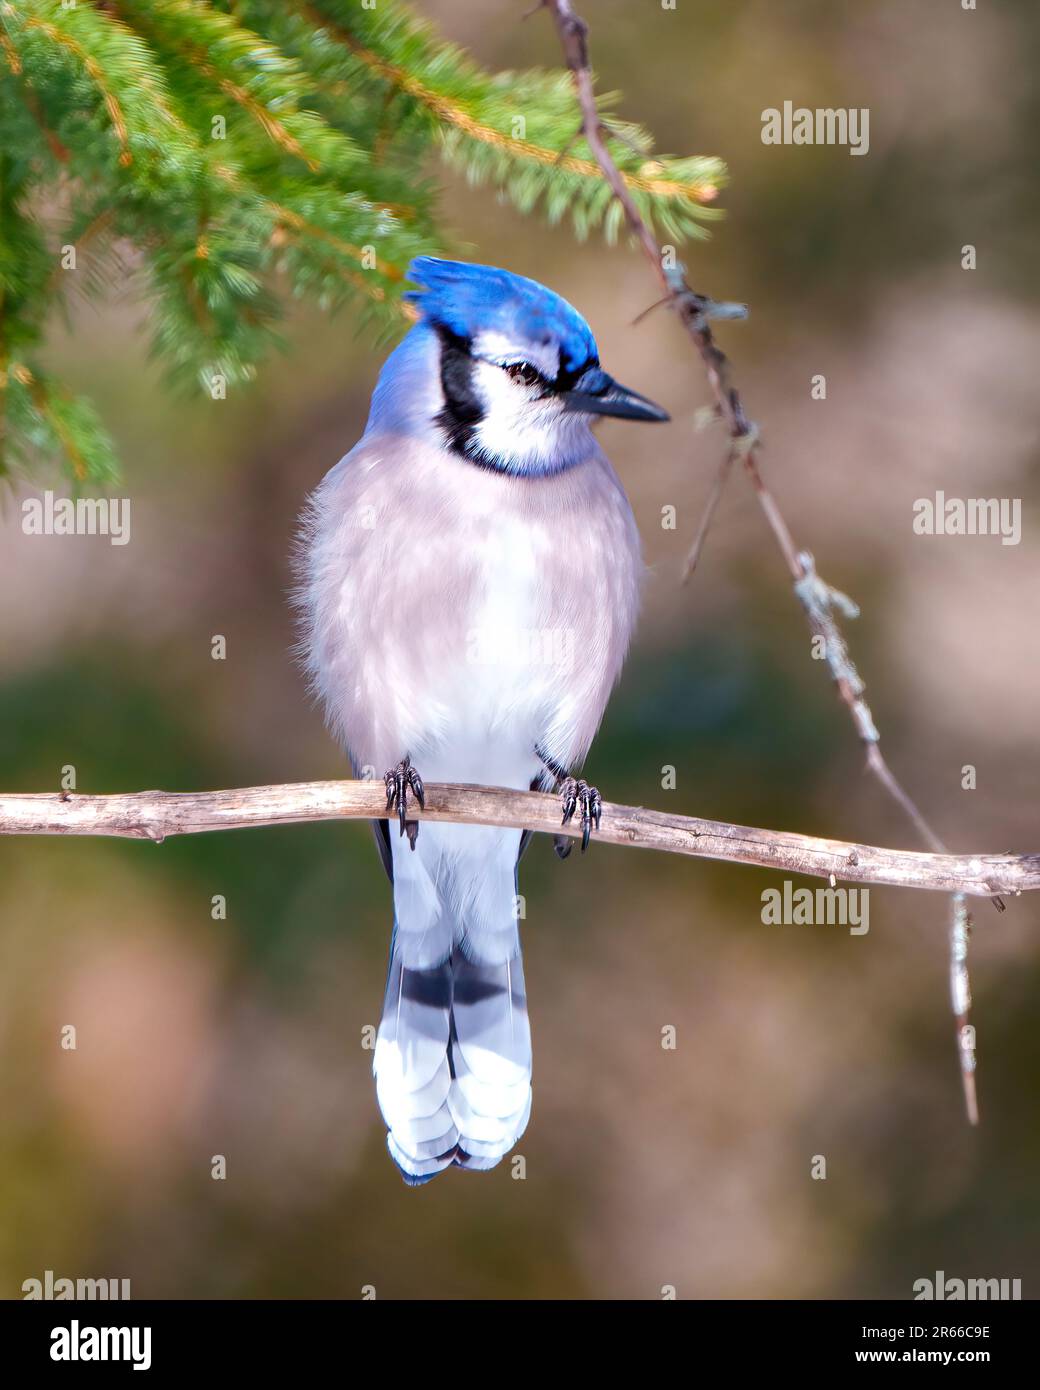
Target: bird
{"x": 468, "y": 581}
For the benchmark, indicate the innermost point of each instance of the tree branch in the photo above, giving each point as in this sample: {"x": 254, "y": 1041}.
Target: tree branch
{"x": 152, "y": 815}
{"x": 817, "y": 598}
{"x": 695, "y": 312}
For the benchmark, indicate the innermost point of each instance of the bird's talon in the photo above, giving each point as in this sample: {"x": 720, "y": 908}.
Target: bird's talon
{"x": 398, "y": 781}
{"x": 416, "y": 784}
{"x": 576, "y": 794}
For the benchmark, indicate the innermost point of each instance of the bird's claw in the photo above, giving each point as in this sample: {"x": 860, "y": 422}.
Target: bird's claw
{"x": 576, "y": 794}
{"x": 398, "y": 781}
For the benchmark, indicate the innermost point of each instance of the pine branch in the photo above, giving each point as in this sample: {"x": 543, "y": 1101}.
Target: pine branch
{"x": 41, "y": 415}
{"x": 250, "y": 152}
{"x": 96, "y": 53}
{"x": 476, "y": 118}
{"x": 95, "y": 72}
{"x": 153, "y": 815}
{"x": 237, "y": 63}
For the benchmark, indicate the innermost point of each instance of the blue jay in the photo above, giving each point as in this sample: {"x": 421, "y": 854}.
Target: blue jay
{"x": 469, "y": 579}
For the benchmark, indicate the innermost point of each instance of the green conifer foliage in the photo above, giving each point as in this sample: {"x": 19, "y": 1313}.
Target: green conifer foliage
{"x": 228, "y": 156}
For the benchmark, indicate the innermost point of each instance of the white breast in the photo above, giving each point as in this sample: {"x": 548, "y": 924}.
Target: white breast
{"x": 495, "y": 699}
{"x": 463, "y": 616}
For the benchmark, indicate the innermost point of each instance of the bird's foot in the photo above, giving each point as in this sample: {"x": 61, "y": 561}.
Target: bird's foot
{"x": 399, "y": 781}
{"x": 576, "y": 794}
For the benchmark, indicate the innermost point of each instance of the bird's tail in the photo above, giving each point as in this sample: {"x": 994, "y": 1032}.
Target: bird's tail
{"x": 453, "y": 1053}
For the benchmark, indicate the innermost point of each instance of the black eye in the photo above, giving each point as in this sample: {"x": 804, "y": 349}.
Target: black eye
{"x": 523, "y": 371}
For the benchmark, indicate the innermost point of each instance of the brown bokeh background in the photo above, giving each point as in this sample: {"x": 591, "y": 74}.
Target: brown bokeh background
{"x": 644, "y": 1167}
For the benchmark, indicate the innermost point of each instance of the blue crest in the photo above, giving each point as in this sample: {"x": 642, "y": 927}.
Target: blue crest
{"x": 468, "y": 298}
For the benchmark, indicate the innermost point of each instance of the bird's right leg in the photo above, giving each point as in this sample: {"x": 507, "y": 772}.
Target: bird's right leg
{"x": 575, "y": 794}
{"x": 398, "y": 781}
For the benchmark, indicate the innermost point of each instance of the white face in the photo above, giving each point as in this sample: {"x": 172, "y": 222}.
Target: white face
{"x": 525, "y": 426}
{"x": 498, "y": 348}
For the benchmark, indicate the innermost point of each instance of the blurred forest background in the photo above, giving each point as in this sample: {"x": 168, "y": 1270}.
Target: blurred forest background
{"x": 645, "y": 1167}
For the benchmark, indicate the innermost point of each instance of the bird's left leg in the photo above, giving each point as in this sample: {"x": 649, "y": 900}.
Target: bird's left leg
{"x": 398, "y": 780}
{"x": 575, "y": 793}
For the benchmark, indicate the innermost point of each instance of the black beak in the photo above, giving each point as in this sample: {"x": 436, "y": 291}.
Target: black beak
{"x": 596, "y": 393}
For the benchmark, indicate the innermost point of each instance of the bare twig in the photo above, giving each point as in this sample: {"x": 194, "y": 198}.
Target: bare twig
{"x": 152, "y": 815}
{"x": 694, "y": 312}
{"x": 714, "y": 498}
{"x": 739, "y": 448}
{"x": 960, "y": 999}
